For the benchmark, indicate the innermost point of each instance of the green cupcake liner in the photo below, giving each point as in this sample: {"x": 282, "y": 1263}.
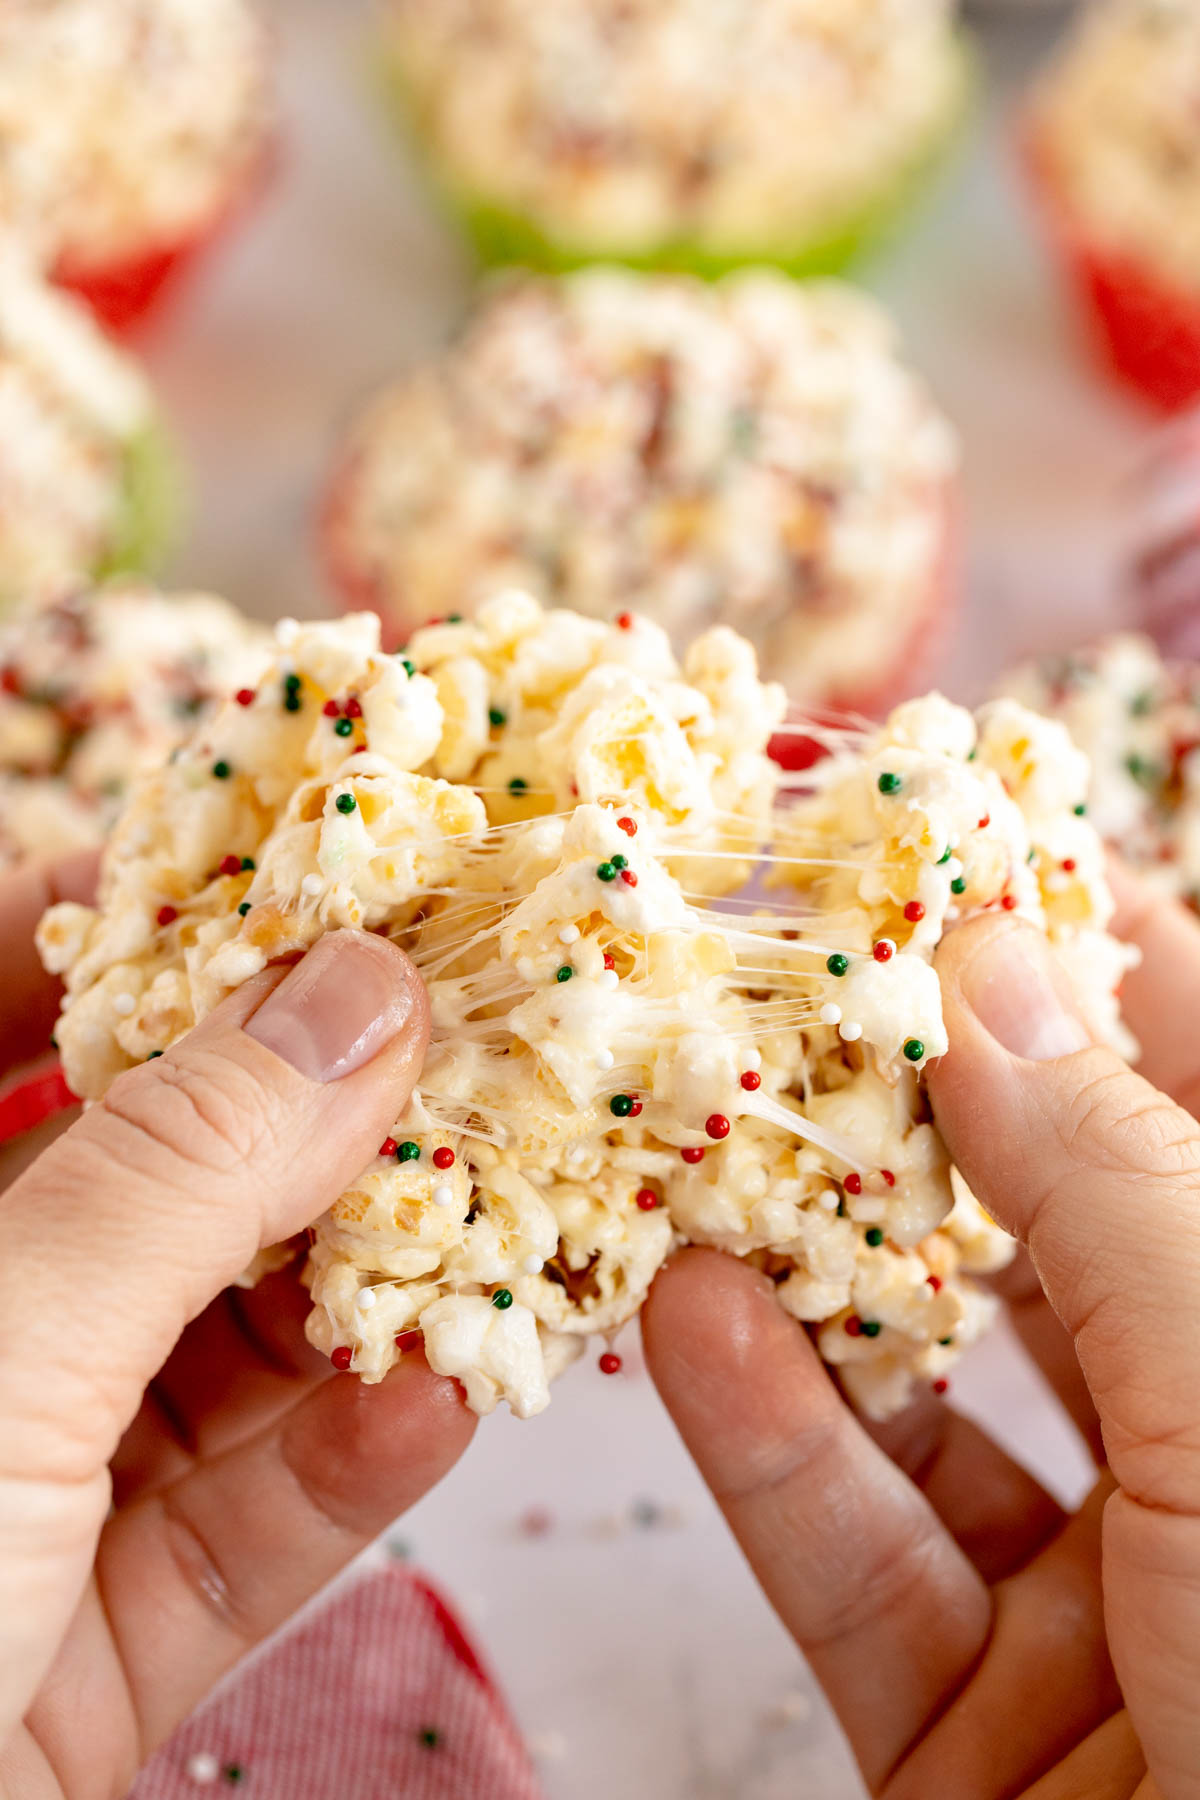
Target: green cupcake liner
{"x": 152, "y": 505}
{"x": 502, "y": 236}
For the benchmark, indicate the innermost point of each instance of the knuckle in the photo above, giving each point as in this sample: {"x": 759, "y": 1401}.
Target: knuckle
{"x": 1116, "y": 1123}
{"x": 199, "y": 1114}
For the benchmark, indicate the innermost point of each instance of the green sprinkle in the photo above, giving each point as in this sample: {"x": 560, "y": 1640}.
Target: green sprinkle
{"x": 292, "y": 703}
{"x": 620, "y": 1106}
{"x": 408, "y": 1151}
{"x": 454, "y": 618}
{"x": 1079, "y": 811}
{"x": 292, "y": 683}
{"x": 914, "y": 1049}
{"x": 606, "y": 871}
{"x": 1142, "y": 771}
{"x": 619, "y": 862}
{"x": 958, "y": 885}
{"x": 222, "y": 770}
{"x": 501, "y": 1299}
{"x": 244, "y": 908}
{"x": 948, "y": 1340}
{"x": 889, "y": 783}
{"x": 410, "y": 668}
{"x": 944, "y": 857}
{"x": 496, "y": 717}
{"x": 1032, "y": 857}
{"x": 565, "y": 973}
{"x": 518, "y": 785}
{"x": 971, "y": 755}
{"x": 247, "y": 862}
{"x": 837, "y": 964}
{"x": 346, "y": 803}
{"x": 871, "y": 1328}
{"x": 875, "y": 1237}
{"x": 233, "y": 1773}
{"x": 343, "y": 727}
{"x": 429, "y": 1737}
{"x": 1141, "y": 704}
{"x": 153, "y": 1054}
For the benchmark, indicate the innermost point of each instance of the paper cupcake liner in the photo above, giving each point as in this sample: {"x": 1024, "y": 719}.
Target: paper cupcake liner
{"x": 1145, "y": 329}
{"x": 32, "y": 1100}
{"x": 503, "y": 236}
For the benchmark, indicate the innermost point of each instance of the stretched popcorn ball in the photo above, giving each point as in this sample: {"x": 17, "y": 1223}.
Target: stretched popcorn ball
{"x": 86, "y": 482}
{"x": 128, "y": 131}
{"x": 554, "y": 818}
{"x": 677, "y": 133}
{"x": 754, "y": 453}
{"x": 97, "y": 688}
{"x": 1138, "y": 720}
{"x": 1114, "y": 149}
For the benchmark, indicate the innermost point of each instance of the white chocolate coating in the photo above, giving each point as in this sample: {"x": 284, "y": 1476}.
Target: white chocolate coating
{"x": 754, "y": 452}
{"x": 623, "y": 1055}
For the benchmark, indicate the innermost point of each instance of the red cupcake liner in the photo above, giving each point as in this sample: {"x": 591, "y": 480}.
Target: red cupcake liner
{"x": 1145, "y": 328}
{"x": 32, "y": 1099}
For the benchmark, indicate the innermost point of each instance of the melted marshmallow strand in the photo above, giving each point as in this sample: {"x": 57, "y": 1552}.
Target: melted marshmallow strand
{"x": 561, "y": 825}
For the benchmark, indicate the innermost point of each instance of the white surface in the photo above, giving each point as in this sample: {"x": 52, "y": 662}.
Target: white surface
{"x": 641, "y": 1659}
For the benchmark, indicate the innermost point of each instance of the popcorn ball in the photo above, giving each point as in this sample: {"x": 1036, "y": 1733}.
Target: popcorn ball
{"x": 86, "y": 482}
{"x": 93, "y": 690}
{"x": 632, "y": 1046}
{"x": 1137, "y": 718}
{"x": 755, "y": 453}
{"x": 1114, "y": 149}
{"x": 128, "y": 130}
{"x": 677, "y": 133}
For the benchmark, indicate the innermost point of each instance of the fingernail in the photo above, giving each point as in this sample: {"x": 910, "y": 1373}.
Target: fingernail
{"x": 338, "y": 1008}
{"x": 1021, "y": 996}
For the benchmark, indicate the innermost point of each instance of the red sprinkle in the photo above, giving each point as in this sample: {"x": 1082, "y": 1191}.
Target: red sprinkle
{"x": 628, "y": 877}
{"x": 167, "y": 915}
{"x": 635, "y": 1109}
{"x": 751, "y": 1081}
{"x": 647, "y": 1199}
{"x": 388, "y": 1147}
{"x": 342, "y": 1357}
{"x": 884, "y": 950}
{"x": 853, "y": 1184}
{"x": 888, "y": 1177}
{"x": 985, "y": 822}
{"x": 935, "y": 1282}
{"x": 610, "y": 962}
{"x": 610, "y": 1364}
{"x": 693, "y": 1153}
{"x": 358, "y": 749}
{"x": 443, "y": 1157}
{"x": 628, "y": 826}
{"x": 914, "y": 912}
{"x": 353, "y": 708}
{"x": 245, "y": 696}
{"x": 231, "y": 865}
{"x": 409, "y": 1340}
{"x": 941, "y": 1386}
{"x": 1008, "y": 902}
{"x": 625, "y": 621}
{"x": 1069, "y": 864}
{"x": 717, "y": 1125}
{"x": 331, "y": 709}
{"x": 853, "y": 1326}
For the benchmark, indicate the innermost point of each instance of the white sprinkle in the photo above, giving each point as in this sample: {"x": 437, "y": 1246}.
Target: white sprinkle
{"x": 951, "y": 913}
{"x": 607, "y": 978}
{"x": 954, "y": 869}
{"x": 312, "y": 884}
{"x": 123, "y": 1005}
{"x": 569, "y": 934}
{"x": 849, "y": 1031}
{"x": 827, "y": 1199}
{"x": 203, "y": 1768}
{"x": 286, "y": 632}
{"x": 366, "y": 1299}
{"x": 752, "y": 1059}
{"x": 533, "y": 1265}
{"x": 443, "y": 1195}
{"x": 605, "y": 1059}
{"x": 831, "y": 1015}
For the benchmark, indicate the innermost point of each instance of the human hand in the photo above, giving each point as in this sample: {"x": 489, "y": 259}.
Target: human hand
{"x": 240, "y": 1477}
{"x": 971, "y": 1637}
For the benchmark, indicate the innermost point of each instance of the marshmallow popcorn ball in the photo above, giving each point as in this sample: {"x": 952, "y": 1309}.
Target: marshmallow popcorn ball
{"x": 754, "y": 452}
{"x": 95, "y": 688}
{"x": 1137, "y": 719}
{"x": 128, "y": 128}
{"x": 692, "y": 134}
{"x": 86, "y": 478}
{"x": 559, "y": 823}
{"x": 1114, "y": 142}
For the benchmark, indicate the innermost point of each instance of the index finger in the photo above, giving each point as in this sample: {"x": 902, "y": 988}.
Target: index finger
{"x": 1160, "y": 998}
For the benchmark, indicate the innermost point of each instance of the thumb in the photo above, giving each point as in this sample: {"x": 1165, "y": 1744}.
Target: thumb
{"x": 163, "y": 1192}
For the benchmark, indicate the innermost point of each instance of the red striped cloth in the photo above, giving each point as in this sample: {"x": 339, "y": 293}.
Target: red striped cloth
{"x": 377, "y": 1695}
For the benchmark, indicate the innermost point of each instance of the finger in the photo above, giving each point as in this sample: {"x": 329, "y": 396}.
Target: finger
{"x": 29, "y": 998}
{"x": 1160, "y": 998}
{"x": 189, "y": 1579}
{"x": 137, "y": 1216}
{"x": 886, "y": 1608}
{"x": 1050, "y": 1345}
{"x": 1108, "y": 1765}
{"x": 1099, "y": 1175}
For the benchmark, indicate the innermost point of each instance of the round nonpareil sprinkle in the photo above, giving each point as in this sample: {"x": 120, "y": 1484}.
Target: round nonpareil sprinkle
{"x": 646, "y": 1199}
{"x": 610, "y": 1364}
{"x": 889, "y": 783}
{"x": 837, "y": 964}
{"x": 443, "y": 1157}
{"x": 408, "y": 1151}
{"x": 914, "y": 1049}
{"x": 346, "y": 803}
{"x": 751, "y": 1080}
{"x": 502, "y": 1299}
{"x": 621, "y": 1105}
{"x": 717, "y": 1125}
